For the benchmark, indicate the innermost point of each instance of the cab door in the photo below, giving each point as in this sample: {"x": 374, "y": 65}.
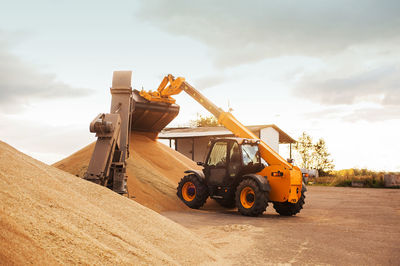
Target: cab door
{"x": 235, "y": 162}
{"x": 217, "y": 163}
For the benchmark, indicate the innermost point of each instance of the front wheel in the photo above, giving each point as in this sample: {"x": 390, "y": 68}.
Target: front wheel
{"x": 289, "y": 209}
{"x": 192, "y": 191}
{"x": 251, "y": 200}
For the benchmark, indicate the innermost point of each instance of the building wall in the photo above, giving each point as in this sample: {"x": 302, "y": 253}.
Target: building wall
{"x": 184, "y": 146}
{"x": 200, "y": 147}
{"x": 270, "y": 136}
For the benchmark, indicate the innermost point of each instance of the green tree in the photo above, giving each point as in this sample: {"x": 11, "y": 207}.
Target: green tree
{"x": 314, "y": 156}
{"x": 204, "y": 121}
{"x": 320, "y": 158}
{"x": 304, "y": 147}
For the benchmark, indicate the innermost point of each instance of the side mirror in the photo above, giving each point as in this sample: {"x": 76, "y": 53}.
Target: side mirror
{"x": 200, "y": 163}
{"x": 259, "y": 167}
{"x": 289, "y": 160}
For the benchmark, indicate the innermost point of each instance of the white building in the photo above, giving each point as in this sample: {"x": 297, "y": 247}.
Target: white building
{"x": 193, "y": 142}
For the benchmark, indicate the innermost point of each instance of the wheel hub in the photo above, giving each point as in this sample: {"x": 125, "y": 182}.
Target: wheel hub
{"x": 247, "y": 197}
{"x": 250, "y": 198}
{"x": 191, "y": 191}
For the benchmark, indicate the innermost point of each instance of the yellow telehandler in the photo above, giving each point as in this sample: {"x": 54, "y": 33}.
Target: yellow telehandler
{"x": 243, "y": 171}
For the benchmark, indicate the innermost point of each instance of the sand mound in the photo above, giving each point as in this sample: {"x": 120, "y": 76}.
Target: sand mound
{"x": 48, "y": 216}
{"x": 153, "y": 169}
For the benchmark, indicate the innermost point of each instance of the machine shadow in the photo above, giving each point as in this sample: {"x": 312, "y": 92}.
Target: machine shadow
{"x": 221, "y": 211}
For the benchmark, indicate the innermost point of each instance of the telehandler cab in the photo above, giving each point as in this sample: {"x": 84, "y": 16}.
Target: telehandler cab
{"x": 231, "y": 163}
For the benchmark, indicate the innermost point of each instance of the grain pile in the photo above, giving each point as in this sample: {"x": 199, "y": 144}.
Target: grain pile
{"x": 48, "y": 216}
{"x": 153, "y": 169}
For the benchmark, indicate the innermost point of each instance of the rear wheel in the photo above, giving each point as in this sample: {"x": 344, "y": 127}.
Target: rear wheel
{"x": 192, "y": 191}
{"x": 250, "y": 199}
{"x": 289, "y": 209}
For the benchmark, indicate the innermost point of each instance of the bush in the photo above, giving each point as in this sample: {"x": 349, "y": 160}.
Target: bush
{"x": 345, "y": 178}
{"x": 344, "y": 183}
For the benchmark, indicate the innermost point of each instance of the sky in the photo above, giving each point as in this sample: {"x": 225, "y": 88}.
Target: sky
{"x": 328, "y": 68}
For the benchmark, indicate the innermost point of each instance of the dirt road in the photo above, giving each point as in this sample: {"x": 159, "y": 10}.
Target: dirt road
{"x": 341, "y": 226}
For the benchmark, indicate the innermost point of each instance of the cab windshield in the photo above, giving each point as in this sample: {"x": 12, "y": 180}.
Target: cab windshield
{"x": 250, "y": 154}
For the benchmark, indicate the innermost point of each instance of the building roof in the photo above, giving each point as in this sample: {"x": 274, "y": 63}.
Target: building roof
{"x": 196, "y": 132}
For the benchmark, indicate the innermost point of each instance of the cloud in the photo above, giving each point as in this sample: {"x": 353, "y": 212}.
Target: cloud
{"x": 239, "y": 32}
{"x": 373, "y": 114}
{"x": 207, "y": 82}
{"x": 21, "y": 83}
{"x": 356, "y": 113}
{"x": 380, "y": 85}
{"x": 45, "y": 142}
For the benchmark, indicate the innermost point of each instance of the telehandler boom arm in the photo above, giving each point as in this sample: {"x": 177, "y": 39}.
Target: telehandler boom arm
{"x": 164, "y": 92}
{"x": 285, "y": 179}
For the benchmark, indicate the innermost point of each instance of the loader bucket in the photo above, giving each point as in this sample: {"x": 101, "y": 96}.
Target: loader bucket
{"x": 151, "y": 116}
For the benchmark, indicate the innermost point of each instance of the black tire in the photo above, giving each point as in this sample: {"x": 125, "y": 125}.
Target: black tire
{"x": 192, "y": 191}
{"x": 290, "y": 209}
{"x": 227, "y": 202}
{"x": 251, "y": 205}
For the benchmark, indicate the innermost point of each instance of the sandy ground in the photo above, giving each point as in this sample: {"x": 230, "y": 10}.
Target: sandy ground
{"x": 50, "y": 217}
{"x": 339, "y": 226}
